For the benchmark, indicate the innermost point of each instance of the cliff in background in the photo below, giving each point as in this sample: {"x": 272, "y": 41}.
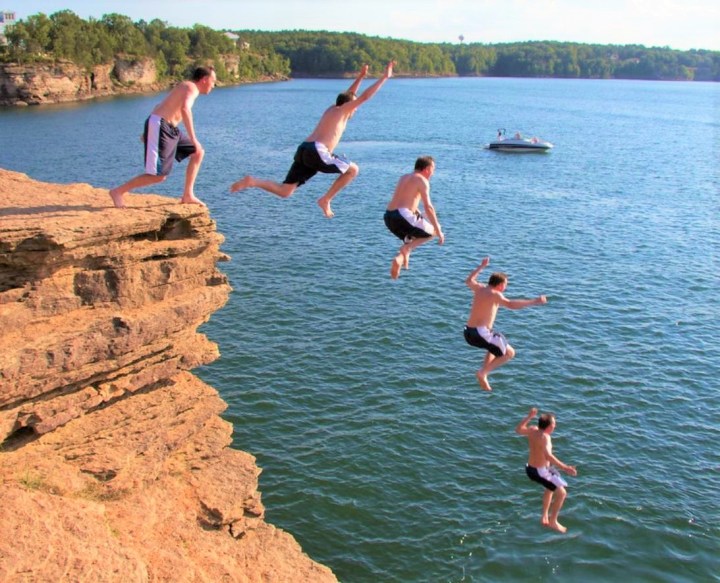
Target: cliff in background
{"x": 64, "y": 81}
{"x": 115, "y": 463}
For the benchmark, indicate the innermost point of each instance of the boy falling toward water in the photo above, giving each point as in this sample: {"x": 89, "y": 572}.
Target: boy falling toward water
{"x": 539, "y": 470}
{"x": 404, "y": 220}
{"x": 479, "y": 329}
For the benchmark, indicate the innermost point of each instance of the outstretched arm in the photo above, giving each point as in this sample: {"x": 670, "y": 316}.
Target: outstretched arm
{"x": 374, "y": 88}
{"x": 520, "y": 304}
{"x": 470, "y": 279}
{"x": 356, "y": 84}
{"x": 522, "y": 428}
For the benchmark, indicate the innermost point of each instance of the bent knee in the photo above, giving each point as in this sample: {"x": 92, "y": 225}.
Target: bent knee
{"x": 510, "y": 352}
{"x": 354, "y": 170}
{"x": 286, "y": 190}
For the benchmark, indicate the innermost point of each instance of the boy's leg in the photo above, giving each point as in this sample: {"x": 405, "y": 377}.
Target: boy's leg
{"x": 491, "y": 364}
{"x": 282, "y": 190}
{"x": 559, "y": 499}
{"x": 138, "y": 182}
{"x": 410, "y": 246}
{"x": 547, "y": 499}
{"x": 340, "y": 182}
{"x": 191, "y": 173}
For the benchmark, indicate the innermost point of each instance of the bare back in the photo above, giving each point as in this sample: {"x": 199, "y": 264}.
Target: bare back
{"x": 182, "y": 96}
{"x": 484, "y": 307}
{"x": 331, "y": 126}
{"x": 408, "y": 192}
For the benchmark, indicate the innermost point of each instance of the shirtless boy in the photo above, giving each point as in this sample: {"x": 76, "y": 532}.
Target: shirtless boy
{"x": 539, "y": 470}
{"x": 403, "y": 218}
{"x": 479, "y": 329}
{"x": 165, "y": 142}
{"x": 315, "y": 154}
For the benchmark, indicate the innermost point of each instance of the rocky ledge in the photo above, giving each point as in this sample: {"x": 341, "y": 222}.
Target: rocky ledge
{"x": 115, "y": 462}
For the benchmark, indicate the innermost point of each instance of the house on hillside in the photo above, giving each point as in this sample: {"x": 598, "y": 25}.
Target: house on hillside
{"x": 7, "y": 19}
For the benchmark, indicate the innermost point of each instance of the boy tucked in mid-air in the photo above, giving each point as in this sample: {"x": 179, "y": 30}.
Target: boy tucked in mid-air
{"x": 479, "y": 329}
{"x": 539, "y": 470}
{"x": 404, "y": 220}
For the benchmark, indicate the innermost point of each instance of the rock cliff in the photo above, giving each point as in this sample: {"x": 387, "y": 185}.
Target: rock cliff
{"x": 115, "y": 463}
{"x": 63, "y": 81}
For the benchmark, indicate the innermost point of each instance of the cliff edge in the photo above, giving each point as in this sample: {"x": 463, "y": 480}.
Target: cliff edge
{"x": 115, "y": 464}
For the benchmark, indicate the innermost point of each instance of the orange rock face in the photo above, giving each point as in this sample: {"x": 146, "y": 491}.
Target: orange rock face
{"x": 115, "y": 463}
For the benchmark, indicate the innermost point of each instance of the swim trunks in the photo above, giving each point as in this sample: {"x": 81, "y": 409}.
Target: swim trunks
{"x": 311, "y": 158}
{"x": 163, "y": 143}
{"x": 407, "y": 225}
{"x": 549, "y": 477}
{"x": 494, "y": 342}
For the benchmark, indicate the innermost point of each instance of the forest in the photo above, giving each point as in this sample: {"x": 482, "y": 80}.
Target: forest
{"x": 64, "y": 35}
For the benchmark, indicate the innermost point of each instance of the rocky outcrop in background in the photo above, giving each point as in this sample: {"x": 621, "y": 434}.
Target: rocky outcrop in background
{"x": 115, "y": 463}
{"x": 42, "y": 83}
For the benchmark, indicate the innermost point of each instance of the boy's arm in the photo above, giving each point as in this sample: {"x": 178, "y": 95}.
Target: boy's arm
{"x": 520, "y": 304}
{"x": 372, "y": 90}
{"x": 470, "y": 279}
{"x": 430, "y": 211}
{"x": 356, "y": 84}
{"x": 522, "y": 428}
{"x": 557, "y": 463}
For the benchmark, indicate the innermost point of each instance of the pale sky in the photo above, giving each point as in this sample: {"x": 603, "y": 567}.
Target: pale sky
{"x": 679, "y": 24}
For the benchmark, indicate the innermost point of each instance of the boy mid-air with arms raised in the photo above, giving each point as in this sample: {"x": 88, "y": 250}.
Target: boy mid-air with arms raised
{"x": 315, "y": 154}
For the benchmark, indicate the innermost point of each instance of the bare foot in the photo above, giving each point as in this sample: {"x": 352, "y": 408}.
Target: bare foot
{"x": 545, "y": 521}
{"x": 325, "y": 207}
{"x": 246, "y": 182}
{"x": 555, "y": 525}
{"x": 117, "y": 198}
{"x": 482, "y": 379}
{"x": 192, "y": 199}
{"x": 395, "y": 266}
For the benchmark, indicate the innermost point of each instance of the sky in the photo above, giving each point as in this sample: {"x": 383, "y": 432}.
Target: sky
{"x": 678, "y": 24}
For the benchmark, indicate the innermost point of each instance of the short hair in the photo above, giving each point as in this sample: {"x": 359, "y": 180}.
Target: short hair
{"x": 344, "y": 97}
{"x": 201, "y": 72}
{"x": 423, "y": 162}
{"x": 497, "y": 279}
{"x": 545, "y": 420}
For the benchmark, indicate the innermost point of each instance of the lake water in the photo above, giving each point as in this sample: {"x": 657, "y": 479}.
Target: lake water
{"x": 357, "y": 394}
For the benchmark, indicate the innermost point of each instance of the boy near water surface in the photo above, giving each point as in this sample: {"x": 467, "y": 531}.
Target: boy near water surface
{"x": 315, "y": 154}
{"x": 403, "y": 218}
{"x": 479, "y": 329}
{"x": 540, "y": 470}
{"x": 164, "y": 142}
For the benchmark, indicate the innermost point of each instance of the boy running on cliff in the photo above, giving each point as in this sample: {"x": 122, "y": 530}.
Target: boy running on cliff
{"x": 539, "y": 470}
{"x": 164, "y": 142}
{"x": 315, "y": 154}
{"x": 404, "y": 220}
{"x": 479, "y": 329}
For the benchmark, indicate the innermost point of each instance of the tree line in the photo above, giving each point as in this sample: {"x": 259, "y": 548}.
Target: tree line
{"x": 64, "y": 35}
{"x": 176, "y": 51}
{"x": 329, "y": 53}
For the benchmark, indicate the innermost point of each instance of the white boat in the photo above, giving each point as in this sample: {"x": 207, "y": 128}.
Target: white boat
{"x": 518, "y": 143}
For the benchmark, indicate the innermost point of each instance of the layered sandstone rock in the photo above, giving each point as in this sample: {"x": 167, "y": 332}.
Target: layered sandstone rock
{"x": 64, "y": 81}
{"x": 115, "y": 464}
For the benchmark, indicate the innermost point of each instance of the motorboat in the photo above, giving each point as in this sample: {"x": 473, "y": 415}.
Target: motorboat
{"x": 518, "y": 143}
